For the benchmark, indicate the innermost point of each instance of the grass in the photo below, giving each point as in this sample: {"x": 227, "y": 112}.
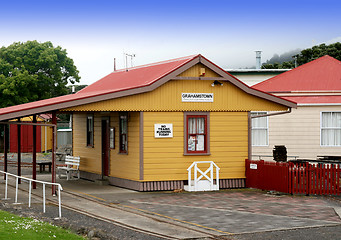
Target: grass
{"x": 14, "y": 227}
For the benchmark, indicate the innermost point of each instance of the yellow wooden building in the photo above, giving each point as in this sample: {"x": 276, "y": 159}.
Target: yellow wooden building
{"x": 142, "y": 127}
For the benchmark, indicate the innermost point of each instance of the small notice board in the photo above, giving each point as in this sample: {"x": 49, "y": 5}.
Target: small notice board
{"x": 163, "y": 130}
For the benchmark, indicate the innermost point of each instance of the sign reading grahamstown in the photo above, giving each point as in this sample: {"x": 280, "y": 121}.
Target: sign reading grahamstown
{"x": 197, "y": 97}
{"x": 164, "y": 130}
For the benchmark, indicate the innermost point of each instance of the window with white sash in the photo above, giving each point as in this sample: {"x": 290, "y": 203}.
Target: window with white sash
{"x": 331, "y": 129}
{"x": 260, "y": 136}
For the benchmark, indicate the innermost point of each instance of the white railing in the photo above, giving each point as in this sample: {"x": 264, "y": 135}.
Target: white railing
{"x": 30, "y": 190}
{"x": 199, "y": 183}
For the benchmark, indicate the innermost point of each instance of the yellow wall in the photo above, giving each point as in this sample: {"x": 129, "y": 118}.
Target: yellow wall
{"x": 195, "y": 72}
{"x": 49, "y": 133}
{"x": 168, "y": 98}
{"x": 121, "y": 165}
{"x": 164, "y": 158}
{"x": 126, "y": 165}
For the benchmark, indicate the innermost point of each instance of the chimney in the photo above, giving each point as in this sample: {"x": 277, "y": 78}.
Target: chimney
{"x": 258, "y": 59}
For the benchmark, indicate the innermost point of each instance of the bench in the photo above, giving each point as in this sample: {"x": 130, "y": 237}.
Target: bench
{"x": 71, "y": 169}
{"x": 42, "y": 165}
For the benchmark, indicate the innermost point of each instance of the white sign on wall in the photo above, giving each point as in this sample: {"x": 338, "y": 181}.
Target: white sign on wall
{"x": 163, "y": 130}
{"x": 253, "y": 166}
{"x": 197, "y": 97}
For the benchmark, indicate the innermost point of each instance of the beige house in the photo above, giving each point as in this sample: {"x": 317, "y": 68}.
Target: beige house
{"x": 314, "y": 128}
{"x": 253, "y": 76}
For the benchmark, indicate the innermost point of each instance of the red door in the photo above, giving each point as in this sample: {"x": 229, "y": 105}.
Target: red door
{"x": 105, "y": 147}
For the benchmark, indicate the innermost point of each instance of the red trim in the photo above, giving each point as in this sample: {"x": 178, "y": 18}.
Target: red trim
{"x": 196, "y": 134}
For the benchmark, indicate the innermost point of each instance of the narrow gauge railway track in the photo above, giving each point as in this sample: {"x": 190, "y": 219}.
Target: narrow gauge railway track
{"x": 121, "y": 208}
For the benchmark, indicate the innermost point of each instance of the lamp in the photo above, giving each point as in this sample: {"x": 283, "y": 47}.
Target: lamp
{"x": 216, "y": 83}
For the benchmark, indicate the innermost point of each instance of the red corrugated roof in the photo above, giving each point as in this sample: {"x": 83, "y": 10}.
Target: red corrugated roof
{"x": 322, "y": 74}
{"x": 315, "y": 99}
{"x": 117, "y": 81}
{"x": 135, "y": 77}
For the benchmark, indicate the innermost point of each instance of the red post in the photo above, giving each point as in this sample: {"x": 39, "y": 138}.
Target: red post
{"x": 308, "y": 179}
{"x": 290, "y": 178}
{"x": 34, "y": 152}
{"x": 5, "y": 149}
{"x": 323, "y": 180}
{"x": 19, "y": 150}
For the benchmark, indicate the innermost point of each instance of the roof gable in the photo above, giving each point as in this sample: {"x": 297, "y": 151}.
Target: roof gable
{"x": 322, "y": 74}
{"x": 134, "y": 81}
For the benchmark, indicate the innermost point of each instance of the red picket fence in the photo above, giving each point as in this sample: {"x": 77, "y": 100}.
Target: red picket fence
{"x": 293, "y": 178}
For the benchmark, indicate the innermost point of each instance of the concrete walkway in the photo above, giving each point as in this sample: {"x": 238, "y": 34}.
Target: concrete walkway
{"x": 198, "y": 215}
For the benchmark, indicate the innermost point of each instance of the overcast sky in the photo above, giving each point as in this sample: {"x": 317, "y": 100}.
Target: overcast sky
{"x": 226, "y": 32}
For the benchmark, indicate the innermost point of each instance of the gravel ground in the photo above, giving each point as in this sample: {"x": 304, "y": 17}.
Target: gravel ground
{"x": 76, "y": 222}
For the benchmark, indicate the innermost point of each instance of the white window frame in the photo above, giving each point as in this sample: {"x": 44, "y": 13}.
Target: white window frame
{"x": 260, "y": 128}
{"x": 330, "y": 128}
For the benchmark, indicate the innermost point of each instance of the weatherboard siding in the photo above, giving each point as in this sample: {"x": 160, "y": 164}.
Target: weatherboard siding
{"x": 126, "y": 165}
{"x": 168, "y": 98}
{"x": 90, "y": 156}
{"x": 120, "y": 165}
{"x": 195, "y": 72}
{"x": 299, "y": 131}
{"x": 164, "y": 158}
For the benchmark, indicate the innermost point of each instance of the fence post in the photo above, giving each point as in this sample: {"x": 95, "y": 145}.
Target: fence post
{"x": 308, "y": 179}
{"x": 290, "y": 177}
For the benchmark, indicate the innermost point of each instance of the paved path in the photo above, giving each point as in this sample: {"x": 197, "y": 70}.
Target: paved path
{"x": 224, "y": 213}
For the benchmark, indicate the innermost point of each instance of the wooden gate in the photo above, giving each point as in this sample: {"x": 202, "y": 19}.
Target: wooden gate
{"x": 304, "y": 178}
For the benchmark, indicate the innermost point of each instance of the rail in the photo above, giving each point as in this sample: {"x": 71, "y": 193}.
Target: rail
{"x": 30, "y": 190}
{"x": 195, "y": 185}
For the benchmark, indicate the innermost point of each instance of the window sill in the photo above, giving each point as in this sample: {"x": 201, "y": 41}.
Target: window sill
{"x": 197, "y": 154}
{"x": 123, "y": 153}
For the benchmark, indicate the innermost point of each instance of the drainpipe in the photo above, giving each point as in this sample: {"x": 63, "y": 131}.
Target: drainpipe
{"x": 272, "y": 114}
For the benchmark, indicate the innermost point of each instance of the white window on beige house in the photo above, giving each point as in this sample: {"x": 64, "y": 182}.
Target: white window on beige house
{"x": 260, "y": 130}
{"x": 331, "y": 129}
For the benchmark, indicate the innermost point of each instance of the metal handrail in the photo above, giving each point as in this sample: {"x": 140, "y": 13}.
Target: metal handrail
{"x": 30, "y": 190}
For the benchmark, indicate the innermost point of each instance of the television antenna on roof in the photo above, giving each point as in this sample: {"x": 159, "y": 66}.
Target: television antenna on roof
{"x": 131, "y": 59}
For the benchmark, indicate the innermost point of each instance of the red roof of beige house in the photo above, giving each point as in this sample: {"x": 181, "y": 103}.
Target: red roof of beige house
{"x": 321, "y": 74}
{"x": 128, "y": 82}
{"x": 318, "y": 81}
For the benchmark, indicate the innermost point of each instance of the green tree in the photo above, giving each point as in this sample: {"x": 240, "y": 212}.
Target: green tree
{"x": 310, "y": 54}
{"x": 33, "y": 71}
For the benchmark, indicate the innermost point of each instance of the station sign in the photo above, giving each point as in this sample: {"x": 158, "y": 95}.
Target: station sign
{"x": 197, "y": 97}
{"x": 163, "y": 130}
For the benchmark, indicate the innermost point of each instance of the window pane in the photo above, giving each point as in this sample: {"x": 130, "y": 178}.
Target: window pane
{"x": 331, "y": 129}
{"x": 259, "y": 137}
{"x": 200, "y": 143}
{"x": 191, "y": 126}
{"x": 191, "y": 143}
{"x": 201, "y": 125}
{"x": 326, "y": 119}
